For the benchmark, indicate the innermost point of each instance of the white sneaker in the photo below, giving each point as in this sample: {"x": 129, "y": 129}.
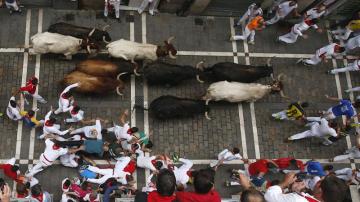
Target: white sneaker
{"x": 251, "y": 42}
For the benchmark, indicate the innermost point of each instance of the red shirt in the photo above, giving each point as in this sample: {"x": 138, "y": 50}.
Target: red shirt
{"x": 30, "y": 88}
{"x": 284, "y": 163}
{"x": 260, "y": 166}
{"x": 156, "y": 197}
{"x": 8, "y": 172}
{"x": 212, "y": 196}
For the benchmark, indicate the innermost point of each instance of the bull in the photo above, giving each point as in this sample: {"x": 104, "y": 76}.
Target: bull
{"x": 104, "y": 68}
{"x": 94, "y": 35}
{"x": 56, "y": 43}
{"x": 94, "y": 84}
{"x": 131, "y": 51}
{"x": 239, "y": 92}
{"x": 228, "y": 71}
{"x": 159, "y": 73}
{"x": 167, "y": 106}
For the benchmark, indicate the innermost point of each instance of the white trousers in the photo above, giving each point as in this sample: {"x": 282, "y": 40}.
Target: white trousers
{"x": 36, "y": 97}
{"x": 107, "y": 173}
{"x": 353, "y": 152}
{"x": 274, "y": 20}
{"x": 350, "y": 67}
{"x": 314, "y": 60}
{"x": 40, "y": 166}
{"x": 307, "y": 134}
{"x": 116, "y": 5}
{"x": 280, "y": 115}
{"x": 68, "y": 160}
{"x": 12, "y": 5}
{"x": 355, "y": 89}
{"x": 342, "y": 34}
{"x": 245, "y": 35}
{"x": 153, "y": 5}
{"x": 290, "y": 37}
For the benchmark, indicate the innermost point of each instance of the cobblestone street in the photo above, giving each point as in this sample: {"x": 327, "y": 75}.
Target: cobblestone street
{"x": 248, "y": 126}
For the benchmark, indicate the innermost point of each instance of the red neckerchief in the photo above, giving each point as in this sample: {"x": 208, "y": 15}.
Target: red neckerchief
{"x": 55, "y": 147}
{"x": 73, "y": 112}
{"x": 64, "y": 97}
{"x": 48, "y": 123}
{"x": 309, "y": 198}
{"x": 308, "y": 22}
{"x": 39, "y": 198}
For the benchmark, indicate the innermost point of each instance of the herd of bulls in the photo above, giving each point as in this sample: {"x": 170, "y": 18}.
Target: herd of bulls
{"x": 229, "y": 81}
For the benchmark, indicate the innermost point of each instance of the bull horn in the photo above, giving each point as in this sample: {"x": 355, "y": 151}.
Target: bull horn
{"x": 200, "y": 65}
{"x": 105, "y": 27}
{"x": 280, "y": 76}
{"x": 136, "y": 73}
{"x": 118, "y": 91}
{"x": 170, "y": 39}
{"x": 207, "y": 116}
{"x": 171, "y": 55}
{"x": 119, "y": 75}
{"x": 268, "y": 62}
{"x": 88, "y": 49}
{"x": 272, "y": 76}
{"x": 198, "y": 79}
{"x": 92, "y": 32}
{"x": 283, "y": 95}
{"x": 104, "y": 40}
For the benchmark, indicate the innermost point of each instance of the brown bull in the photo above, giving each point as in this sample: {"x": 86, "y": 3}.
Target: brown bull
{"x": 94, "y": 84}
{"x": 104, "y": 68}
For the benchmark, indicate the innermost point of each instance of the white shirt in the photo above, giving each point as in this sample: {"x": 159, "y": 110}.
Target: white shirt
{"x": 313, "y": 13}
{"x": 323, "y": 129}
{"x": 50, "y": 154}
{"x": 88, "y": 130}
{"x": 64, "y": 104}
{"x": 229, "y": 156}
{"x": 275, "y": 194}
{"x": 13, "y": 112}
{"x": 54, "y": 129}
{"x": 311, "y": 182}
{"x": 353, "y": 43}
{"x": 252, "y": 12}
{"x": 180, "y": 173}
{"x": 302, "y": 27}
{"x": 119, "y": 173}
{"x": 78, "y": 116}
{"x": 328, "y": 50}
{"x": 143, "y": 161}
{"x": 285, "y": 8}
{"x": 121, "y": 132}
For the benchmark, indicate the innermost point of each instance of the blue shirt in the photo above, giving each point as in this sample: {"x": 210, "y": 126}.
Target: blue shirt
{"x": 344, "y": 108}
{"x": 94, "y": 147}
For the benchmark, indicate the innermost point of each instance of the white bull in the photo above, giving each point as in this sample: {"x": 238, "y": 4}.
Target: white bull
{"x": 129, "y": 50}
{"x": 238, "y": 92}
{"x": 56, "y": 43}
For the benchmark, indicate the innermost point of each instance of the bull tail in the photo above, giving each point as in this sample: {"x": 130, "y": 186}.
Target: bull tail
{"x": 137, "y": 106}
{"x": 207, "y": 110}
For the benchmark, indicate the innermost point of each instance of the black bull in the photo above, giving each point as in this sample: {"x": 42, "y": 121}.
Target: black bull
{"x": 161, "y": 73}
{"x": 167, "y": 107}
{"x": 80, "y": 32}
{"x": 228, "y": 71}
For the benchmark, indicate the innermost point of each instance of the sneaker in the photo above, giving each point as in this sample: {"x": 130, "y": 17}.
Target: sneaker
{"x": 251, "y": 42}
{"x": 328, "y": 72}
{"x": 232, "y": 38}
{"x": 299, "y": 61}
{"x": 1, "y": 114}
{"x": 227, "y": 183}
{"x": 175, "y": 158}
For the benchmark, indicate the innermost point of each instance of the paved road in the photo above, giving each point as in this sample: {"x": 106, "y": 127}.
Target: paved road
{"x": 197, "y": 38}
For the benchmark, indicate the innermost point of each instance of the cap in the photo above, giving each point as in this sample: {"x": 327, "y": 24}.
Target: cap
{"x": 258, "y": 181}
{"x": 315, "y": 168}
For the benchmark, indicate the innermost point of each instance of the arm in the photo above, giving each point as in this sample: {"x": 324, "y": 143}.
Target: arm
{"x": 70, "y": 87}
{"x": 123, "y": 116}
{"x": 47, "y": 116}
{"x": 353, "y": 89}
{"x": 332, "y": 98}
